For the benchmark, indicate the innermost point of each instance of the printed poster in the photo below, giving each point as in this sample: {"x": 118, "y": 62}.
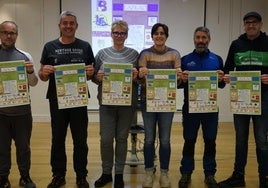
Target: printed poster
{"x": 203, "y": 88}
{"x": 71, "y": 85}
{"x": 14, "y": 89}
{"x": 117, "y": 84}
{"x": 161, "y": 88}
{"x": 245, "y": 92}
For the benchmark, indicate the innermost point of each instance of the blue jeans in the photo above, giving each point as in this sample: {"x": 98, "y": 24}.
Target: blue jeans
{"x": 260, "y": 128}
{"x": 164, "y": 122}
{"x": 191, "y": 125}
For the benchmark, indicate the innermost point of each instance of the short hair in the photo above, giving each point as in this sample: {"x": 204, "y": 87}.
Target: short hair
{"x": 202, "y": 29}
{"x": 120, "y": 23}
{"x": 11, "y": 22}
{"x": 68, "y": 13}
{"x": 156, "y": 26}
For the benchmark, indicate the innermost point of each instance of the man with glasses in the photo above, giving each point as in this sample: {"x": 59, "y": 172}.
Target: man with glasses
{"x": 250, "y": 53}
{"x": 115, "y": 120}
{"x": 15, "y": 121}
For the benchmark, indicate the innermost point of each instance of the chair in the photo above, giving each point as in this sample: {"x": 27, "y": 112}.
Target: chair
{"x": 135, "y": 129}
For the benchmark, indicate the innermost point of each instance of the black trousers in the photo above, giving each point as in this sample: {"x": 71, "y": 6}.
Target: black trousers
{"x": 77, "y": 118}
{"x": 18, "y": 128}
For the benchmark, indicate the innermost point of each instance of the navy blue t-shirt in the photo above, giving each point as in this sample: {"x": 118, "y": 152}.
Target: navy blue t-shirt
{"x": 56, "y": 53}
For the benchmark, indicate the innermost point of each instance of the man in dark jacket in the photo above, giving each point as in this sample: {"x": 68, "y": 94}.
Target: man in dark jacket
{"x": 250, "y": 53}
{"x": 201, "y": 59}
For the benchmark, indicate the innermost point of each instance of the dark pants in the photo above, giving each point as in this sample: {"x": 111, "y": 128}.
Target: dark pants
{"x": 115, "y": 122}
{"x": 18, "y": 128}
{"x": 191, "y": 124}
{"x": 260, "y": 129}
{"x": 77, "y": 118}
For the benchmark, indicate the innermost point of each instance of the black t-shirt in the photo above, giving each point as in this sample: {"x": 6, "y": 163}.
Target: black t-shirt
{"x": 56, "y": 53}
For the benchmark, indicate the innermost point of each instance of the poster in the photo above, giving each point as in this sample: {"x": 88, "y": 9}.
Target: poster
{"x": 104, "y": 12}
{"x": 14, "y": 89}
{"x": 117, "y": 84}
{"x": 161, "y": 88}
{"x": 71, "y": 85}
{"x": 203, "y": 88}
{"x": 245, "y": 92}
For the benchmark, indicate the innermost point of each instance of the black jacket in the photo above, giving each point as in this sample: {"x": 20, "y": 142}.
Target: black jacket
{"x": 248, "y": 55}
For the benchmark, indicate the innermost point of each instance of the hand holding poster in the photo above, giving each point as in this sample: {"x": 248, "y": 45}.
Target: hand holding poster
{"x": 245, "y": 92}
{"x": 117, "y": 84}
{"x": 203, "y": 91}
{"x": 161, "y": 90}
{"x": 13, "y": 84}
{"x": 71, "y": 86}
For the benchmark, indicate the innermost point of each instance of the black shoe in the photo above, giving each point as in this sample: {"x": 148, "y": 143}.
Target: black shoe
{"x": 57, "y": 181}
{"x": 26, "y": 182}
{"x": 236, "y": 180}
{"x": 103, "y": 180}
{"x": 263, "y": 182}
{"x": 211, "y": 182}
{"x": 4, "y": 182}
{"x": 118, "y": 181}
{"x": 185, "y": 180}
{"x": 82, "y": 183}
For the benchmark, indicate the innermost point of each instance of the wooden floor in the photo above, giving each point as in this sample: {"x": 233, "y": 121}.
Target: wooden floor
{"x": 41, "y": 171}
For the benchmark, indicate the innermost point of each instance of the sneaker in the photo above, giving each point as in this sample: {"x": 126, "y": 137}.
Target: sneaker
{"x": 118, "y": 181}
{"x": 184, "y": 181}
{"x": 149, "y": 179}
{"x": 264, "y": 182}
{"x": 211, "y": 182}
{"x": 26, "y": 182}
{"x": 56, "y": 182}
{"x": 164, "y": 180}
{"x": 236, "y": 180}
{"x": 4, "y": 182}
{"x": 103, "y": 180}
{"x": 82, "y": 182}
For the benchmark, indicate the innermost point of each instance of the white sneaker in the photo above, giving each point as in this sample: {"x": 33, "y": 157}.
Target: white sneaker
{"x": 164, "y": 180}
{"x": 149, "y": 179}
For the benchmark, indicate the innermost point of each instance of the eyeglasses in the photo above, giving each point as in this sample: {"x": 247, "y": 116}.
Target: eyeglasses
{"x": 8, "y": 33}
{"x": 254, "y": 23}
{"x": 119, "y": 34}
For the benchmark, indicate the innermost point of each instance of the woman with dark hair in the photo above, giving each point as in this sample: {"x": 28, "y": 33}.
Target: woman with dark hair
{"x": 159, "y": 56}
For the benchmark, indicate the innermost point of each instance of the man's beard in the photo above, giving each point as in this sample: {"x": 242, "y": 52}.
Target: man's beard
{"x": 202, "y": 49}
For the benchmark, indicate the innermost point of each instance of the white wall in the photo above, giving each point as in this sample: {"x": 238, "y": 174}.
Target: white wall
{"x": 38, "y": 19}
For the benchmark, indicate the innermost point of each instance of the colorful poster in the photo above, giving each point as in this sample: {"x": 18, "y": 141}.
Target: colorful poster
{"x": 117, "y": 84}
{"x": 14, "y": 89}
{"x": 203, "y": 89}
{"x": 71, "y": 85}
{"x": 245, "y": 92}
{"x": 161, "y": 88}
